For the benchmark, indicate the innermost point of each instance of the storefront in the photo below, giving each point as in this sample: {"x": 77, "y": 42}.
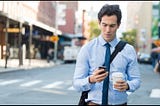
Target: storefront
{"x": 27, "y": 39}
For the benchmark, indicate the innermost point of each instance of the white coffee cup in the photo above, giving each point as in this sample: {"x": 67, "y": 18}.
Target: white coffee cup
{"x": 116, "y": 76}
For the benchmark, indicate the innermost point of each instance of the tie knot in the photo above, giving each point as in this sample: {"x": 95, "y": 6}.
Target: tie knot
{"x": 107, "y": 45}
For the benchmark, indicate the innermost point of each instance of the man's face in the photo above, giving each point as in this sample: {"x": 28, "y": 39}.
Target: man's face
{"x": 108, "y": 26}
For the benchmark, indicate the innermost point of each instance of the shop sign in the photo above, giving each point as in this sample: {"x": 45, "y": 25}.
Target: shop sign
{"x": 54, "y": 38}
{"x": 13, "y": 30}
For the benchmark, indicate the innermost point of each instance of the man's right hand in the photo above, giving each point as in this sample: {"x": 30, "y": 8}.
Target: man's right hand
{"x": 98, "y": 75}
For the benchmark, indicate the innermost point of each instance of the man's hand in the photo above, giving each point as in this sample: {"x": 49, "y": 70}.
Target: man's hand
{"x": 121, "y": 85}
{"x": 98, "y": 76}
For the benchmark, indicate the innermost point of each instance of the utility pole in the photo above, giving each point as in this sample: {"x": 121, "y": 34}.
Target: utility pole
{"x": 20, "y": 35}
{"x": 6, "y": 40}
{"x": 83, "y": 22}
{"x": 60, "y": 14}
{"x": 56, "y": 27}
{"x": 20, "y": 44}
{"x": 30, "y": 42}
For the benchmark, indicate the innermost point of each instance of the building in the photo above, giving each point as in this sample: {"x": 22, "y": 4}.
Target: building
{"x": 139, "y": 17}
{"x": 70, "y": 17}
{"x": 28, "y": 26}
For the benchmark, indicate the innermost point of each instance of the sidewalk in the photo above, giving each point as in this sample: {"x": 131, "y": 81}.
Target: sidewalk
{"x": 13, "y": 64}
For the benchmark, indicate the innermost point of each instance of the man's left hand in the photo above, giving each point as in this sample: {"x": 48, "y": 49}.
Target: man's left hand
{"x": 121, "y": 85}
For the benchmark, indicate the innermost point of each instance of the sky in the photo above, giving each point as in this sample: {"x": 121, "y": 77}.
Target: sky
{"x": 98, "y": 4}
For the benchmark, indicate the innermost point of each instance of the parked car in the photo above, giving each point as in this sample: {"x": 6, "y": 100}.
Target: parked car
{"x": 71, "y": 51}
{"x": 144, "y": 58}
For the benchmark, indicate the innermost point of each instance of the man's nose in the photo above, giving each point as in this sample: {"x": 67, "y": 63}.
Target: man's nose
{"x": 108, "y": 29}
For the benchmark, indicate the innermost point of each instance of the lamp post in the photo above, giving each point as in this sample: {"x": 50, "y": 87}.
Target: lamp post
{"x": 30, "y": 42}
{"x": 6, "y": 40}
{"x": 20, "y": 44}
{"x": 83, "y": 22}
{"x": 59, "y": 20}
{"x": 56, "y": 27}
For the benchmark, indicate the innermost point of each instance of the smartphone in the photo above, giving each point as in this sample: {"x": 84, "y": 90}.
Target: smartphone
{"x": 102, "y": 67}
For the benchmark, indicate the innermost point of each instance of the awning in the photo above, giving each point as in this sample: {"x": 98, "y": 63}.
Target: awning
{"x": 42, "y": 25}
{"x": 74, "y": 36}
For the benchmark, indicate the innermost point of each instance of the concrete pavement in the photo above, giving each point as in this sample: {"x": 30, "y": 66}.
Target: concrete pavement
{"x": 13, "y": 64}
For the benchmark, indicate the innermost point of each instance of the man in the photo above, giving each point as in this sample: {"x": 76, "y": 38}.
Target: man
{"x": 92, "y": 55}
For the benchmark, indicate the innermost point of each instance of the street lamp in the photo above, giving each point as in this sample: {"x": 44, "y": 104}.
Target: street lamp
{"x": 6, "y": 41}
{"x": 56, "y": 28}
{"x": 59, "y": 20}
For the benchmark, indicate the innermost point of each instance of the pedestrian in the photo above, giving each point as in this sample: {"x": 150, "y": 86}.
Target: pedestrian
{"x": 92, "y": 55}
{"x": 7, "y": 54}
{"x": 50, "y": 54}
{"x": 157, "y": 66}
{"x": 154, "y": 54}
{"x": 157, "y": 59}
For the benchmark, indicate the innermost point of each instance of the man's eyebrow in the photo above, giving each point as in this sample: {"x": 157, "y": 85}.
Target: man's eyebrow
{"x": 108, "y": 24}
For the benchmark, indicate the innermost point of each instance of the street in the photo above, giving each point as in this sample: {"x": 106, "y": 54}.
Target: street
{"x": 149, "y": 92}
{"x": 53, "y": 85}
{"x": 38, "y": 86}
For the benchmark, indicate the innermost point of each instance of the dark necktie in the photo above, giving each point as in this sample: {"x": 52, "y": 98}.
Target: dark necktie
{"x": 106, "y": 81}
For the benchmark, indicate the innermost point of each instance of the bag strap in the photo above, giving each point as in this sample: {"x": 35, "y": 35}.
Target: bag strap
{"x": 118, "y": 48}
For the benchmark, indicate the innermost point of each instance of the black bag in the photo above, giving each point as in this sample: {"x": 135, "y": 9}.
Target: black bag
{"x": 84, "y": 96}
{"x": 158, "y": 67}
{"x": 118, "y": 48}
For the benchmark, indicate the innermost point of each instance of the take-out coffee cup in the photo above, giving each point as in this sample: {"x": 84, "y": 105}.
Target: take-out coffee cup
{"x": 116, "y": 76}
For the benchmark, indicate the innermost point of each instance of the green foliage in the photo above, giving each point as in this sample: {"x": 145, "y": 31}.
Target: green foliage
{"x": 154, "y": 27}
{"x": 130, "y": 37}
{"x": 94, "y": 29}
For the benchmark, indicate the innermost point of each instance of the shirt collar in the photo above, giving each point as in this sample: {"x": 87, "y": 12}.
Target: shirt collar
{"x": 113, "y": 43}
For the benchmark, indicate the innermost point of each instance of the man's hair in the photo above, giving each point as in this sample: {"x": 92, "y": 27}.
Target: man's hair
{"x": 110, "y": 10}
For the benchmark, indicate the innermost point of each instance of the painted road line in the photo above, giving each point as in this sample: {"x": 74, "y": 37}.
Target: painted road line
{"x": 54, "y": 85}
{"x": 31, "y": 83}
{"x": 10, "y": 82}
{"x": 155, "y": 93}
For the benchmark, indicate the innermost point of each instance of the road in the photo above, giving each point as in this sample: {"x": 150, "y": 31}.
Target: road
{"x": 149, "y": 92}
{"x": 39, "y": 86}
{"x": 53, "y": 85}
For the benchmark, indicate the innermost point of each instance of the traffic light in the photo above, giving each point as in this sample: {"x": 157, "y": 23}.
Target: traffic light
{"x": 61, "y": 14}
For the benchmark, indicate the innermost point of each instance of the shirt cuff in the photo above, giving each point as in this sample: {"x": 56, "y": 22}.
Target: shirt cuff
{"x": 88, "y": 85}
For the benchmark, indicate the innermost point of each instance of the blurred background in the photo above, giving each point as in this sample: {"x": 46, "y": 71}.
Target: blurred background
{"x": 32, "y": 28}
{"x": 36, "y": 34}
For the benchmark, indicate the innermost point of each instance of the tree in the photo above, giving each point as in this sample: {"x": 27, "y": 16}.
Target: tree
{"x": 130, "y": 37}
{"x": 154, "y": 27}
{"x": 94, "y": 29}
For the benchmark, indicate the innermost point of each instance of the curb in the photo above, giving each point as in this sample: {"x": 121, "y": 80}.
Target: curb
{"x": 23, "y": 67}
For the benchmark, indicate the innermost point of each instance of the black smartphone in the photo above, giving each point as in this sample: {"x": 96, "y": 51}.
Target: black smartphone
{"x": 102, "y": 67}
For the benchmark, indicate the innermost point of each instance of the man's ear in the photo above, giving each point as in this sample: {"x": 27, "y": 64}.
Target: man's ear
{"x": 119, "y": 25}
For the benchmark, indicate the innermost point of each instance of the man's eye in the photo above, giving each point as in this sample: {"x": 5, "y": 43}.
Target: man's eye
{"x": 112, "y": 26}
{"x": 104, "y": 25}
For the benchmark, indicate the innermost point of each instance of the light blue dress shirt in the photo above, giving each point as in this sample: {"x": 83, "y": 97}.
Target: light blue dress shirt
{"x": 91, "y": 56}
